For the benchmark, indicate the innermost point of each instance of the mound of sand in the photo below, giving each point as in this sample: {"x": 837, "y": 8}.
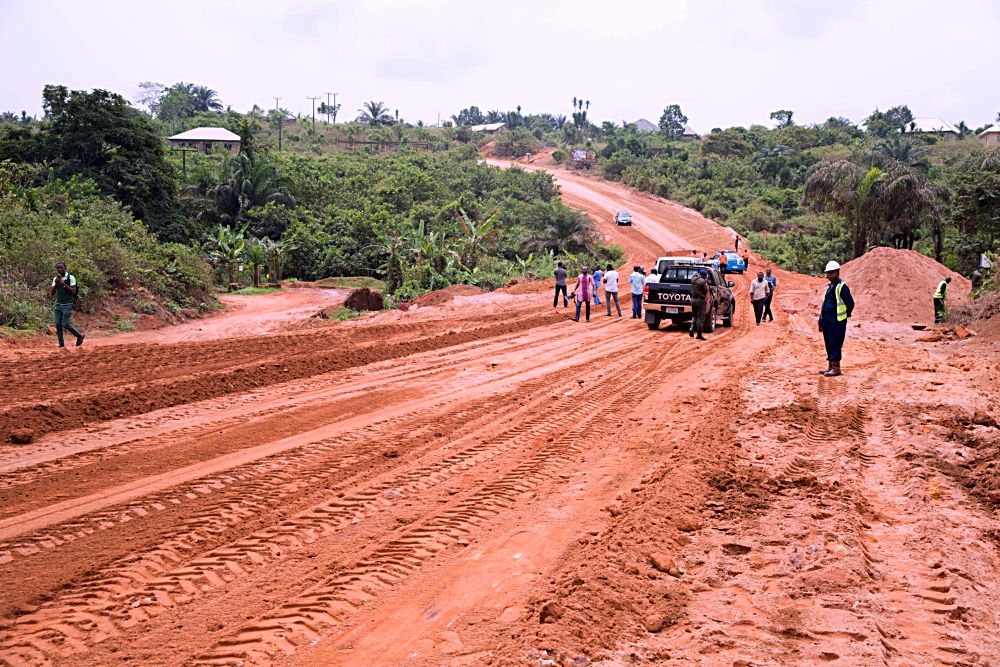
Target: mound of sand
{"x": 892, "y": 285}
{"x": 446, "y": 295}
{"x": 364, "y": 299}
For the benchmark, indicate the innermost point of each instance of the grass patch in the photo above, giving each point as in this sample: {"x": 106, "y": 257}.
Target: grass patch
{"x": 122, "y": 324}
{"x": 352, "y": 282}
{"x": 256, "y": 290}
{"x": 343, "y": 314}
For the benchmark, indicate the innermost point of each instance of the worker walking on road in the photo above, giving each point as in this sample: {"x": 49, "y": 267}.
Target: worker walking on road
{"x": 699, "y": 303}
{"x": 838, "y": 304}
{"x": 759, "y": 291}
{"x": 611, "y": 289}
{"x": 939, "y": 296}
{"x": 637, "y": 280}
{"x": 560, "y": 274}
{"x": 772, "y": 282}
{"x": 584, "y": 292}
{"x": 65, "y": 290}
{"x": 598, "y": 274}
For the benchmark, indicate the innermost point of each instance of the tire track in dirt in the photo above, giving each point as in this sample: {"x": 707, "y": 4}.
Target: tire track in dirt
{"x": 337, "y": 598}
{"x": 369, "y": 430}
{"x": 312, "y": 407}
{"x": 325, "y": 514}
{"x": 83, "y": 407}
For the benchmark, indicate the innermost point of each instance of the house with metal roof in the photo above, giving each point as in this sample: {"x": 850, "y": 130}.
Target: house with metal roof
{"x": 489, "y": 128}
{"x": 644, "y": 125}
{"x": 207, "y": 139}
{"x": 940, "y": 128}
{"x": 990, "y": 136}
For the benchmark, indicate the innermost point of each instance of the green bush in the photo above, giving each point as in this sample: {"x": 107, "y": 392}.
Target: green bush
{"x": 103, "y": 247}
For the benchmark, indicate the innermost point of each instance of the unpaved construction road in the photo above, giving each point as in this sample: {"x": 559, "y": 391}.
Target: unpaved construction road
{"x": 489, "y": 483}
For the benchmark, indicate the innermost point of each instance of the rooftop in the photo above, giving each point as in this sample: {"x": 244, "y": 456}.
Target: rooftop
{"x": 930, "y": 125}
{"x": 489, "y": 127}
{"x": 207, "y": 134}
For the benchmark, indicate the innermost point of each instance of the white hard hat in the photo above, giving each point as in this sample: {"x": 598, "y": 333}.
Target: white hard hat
{"x": 832, "y": 266}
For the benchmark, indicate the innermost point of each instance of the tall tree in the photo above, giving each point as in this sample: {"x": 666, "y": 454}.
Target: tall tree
{"x": 783, "y": 116}
{"x": 97, "y": 135}
{"x": 375, "y": 113}
{"x": 672, "y": 122}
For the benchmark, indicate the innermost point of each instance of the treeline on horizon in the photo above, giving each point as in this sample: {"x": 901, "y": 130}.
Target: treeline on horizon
{"x": 425, "y": 214}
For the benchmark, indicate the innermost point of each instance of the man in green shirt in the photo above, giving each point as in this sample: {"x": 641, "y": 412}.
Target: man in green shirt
{"x": 64, "y": 289}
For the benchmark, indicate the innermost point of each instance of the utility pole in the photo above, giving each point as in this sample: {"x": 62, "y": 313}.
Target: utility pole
{"x": 314, "y": 111}
{"x": 335, "y": 107}
{"x": 329, "y": 109}
{"x": 277, "y": 109}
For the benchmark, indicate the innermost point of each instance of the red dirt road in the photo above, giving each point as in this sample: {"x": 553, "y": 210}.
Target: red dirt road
{"x": 478, "y": 483}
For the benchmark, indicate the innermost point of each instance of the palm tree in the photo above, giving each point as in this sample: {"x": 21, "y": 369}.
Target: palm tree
{"x": 275, "y": 252}
{"x": 248, "y": 183}
{"x": 897, "y": 148}
{"x": 878, "y": 204}
{"x": 205, "y": 99}
{"x": 564, "y": 231}
{"x": 844, "y": 188}
{"x": 375, "y": 113}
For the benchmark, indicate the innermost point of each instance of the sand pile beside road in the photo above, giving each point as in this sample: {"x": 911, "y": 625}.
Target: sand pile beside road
{"x": 892, "y": 285}
{"x": 446, "y": 295}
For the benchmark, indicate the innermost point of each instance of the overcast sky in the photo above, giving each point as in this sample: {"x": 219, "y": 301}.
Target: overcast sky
{"x": 725, "y": 63}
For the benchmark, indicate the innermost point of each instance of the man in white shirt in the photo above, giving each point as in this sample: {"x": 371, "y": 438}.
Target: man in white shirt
{"x": 637, "y": 280}
{"x": 611, "y": 289}
{"x": 759, "y": 289}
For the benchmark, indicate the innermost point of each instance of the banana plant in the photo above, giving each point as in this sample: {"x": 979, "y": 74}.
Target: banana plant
{"x": 228, "y": 248}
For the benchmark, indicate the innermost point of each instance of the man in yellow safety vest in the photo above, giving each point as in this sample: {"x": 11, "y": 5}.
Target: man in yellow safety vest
{"x": 939, "y": 297}
{"x": 838, "y": 304}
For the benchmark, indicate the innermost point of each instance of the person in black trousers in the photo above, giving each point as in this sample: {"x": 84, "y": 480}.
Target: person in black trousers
{"x": 838, "y": 304}
{"x": 560, "y": 274}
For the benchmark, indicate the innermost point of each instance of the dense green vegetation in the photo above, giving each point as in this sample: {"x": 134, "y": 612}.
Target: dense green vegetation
{"x": 411, "y": 206}
{"x": 93, "y": 182}
{"x": 802, "y": 194}
{"x": 108, "y": 251}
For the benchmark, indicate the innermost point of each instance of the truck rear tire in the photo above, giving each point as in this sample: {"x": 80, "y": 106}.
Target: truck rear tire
{"x": 710, "y": 321}
{"x": 727, "y": 321}
{"x": 652, "y": 321}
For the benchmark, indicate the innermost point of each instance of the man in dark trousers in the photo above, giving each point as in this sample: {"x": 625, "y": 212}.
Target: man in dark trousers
{"x": 939, "y": 296}
{"x": 772, "y": 282}
{"x": 64, "y": 289}
{"x": 838, "y": 304}
{"x": 560, "y": 274}
{"x": 699, "y": 302}
{"x": 759, "y": 290}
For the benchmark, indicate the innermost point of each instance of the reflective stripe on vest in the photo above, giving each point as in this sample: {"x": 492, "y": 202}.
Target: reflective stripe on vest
{"x": 939, "y": 294}
{"x": 841, "y": 306}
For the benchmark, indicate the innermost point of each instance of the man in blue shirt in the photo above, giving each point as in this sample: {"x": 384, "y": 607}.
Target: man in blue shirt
{"x": 838, "y": 304}
{"x": 598, "y": 274}
{"x": 772, "y": 281}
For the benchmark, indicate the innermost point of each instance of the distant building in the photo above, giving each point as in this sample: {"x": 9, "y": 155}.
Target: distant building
{"x": 990, "y": 136}
{"x": 489, "y": 128}
{"x": 207, "y": 139}
{"x": 939, "y": 128}
{"x": 644, "y": 125}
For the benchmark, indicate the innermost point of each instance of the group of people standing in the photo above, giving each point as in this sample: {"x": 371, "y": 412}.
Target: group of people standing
{"x": 588, "y": 288}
